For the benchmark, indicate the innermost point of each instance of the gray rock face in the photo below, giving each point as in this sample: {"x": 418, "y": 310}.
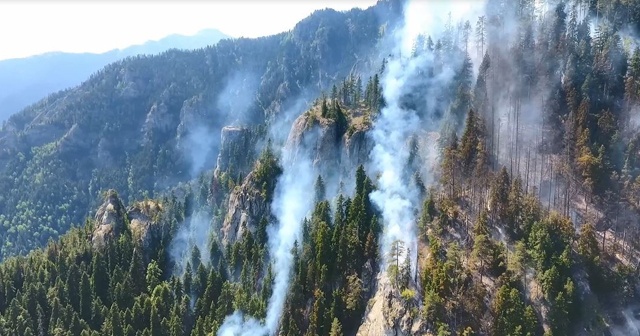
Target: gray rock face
{"x": 318, "y": 140}
{"x": 246, "y": 207}
{"x": 235, "y": 158}
{"x": 235, "y": 143}
{"x": 158, "y": 119}
{"x": 356, "y": 149}
{"x": 193, "y": 112}
{"x": 109, "y": 220}
{"x": 314, "y": 139}
{"x": 389, "y": 314}
{"x": 130, "y": 84}
{"x": 310, "y": 138}
{"x": 73, "y": 140}
{"x": 145, "y": 224}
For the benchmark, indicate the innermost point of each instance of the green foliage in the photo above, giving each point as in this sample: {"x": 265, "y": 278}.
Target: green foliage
{"x": 50, "y": 184}
{"x": 510, "y": 317}
{"x": 127, "y": 127}
{"x": 408, "y": 294}
{"x": 394, "y": 270}
{"x": 267, "y": 171}
{"x": 336, "y": 328}
{"x": 332, "y": 261}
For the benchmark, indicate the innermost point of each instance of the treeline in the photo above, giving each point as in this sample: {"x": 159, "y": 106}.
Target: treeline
{"x": 334, "y": 265}
{"x": 120, "y": 128}
{"x": 71, "y": 288}
{"x": 531, "y": 255}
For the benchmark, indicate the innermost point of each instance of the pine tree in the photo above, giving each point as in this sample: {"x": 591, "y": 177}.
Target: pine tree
{"x": 508, "y": 312}
{"x": 324, "y": 109}
{"x": 153, "y": 276}
{"x": 481, "y": 33}
{"x": 500, "y": 194}
{"x": 137, "y": 272}
{"x": 397, "y": 249}
{"x": 450, "y": 166}
{"x": 405, "y": 271}
{"x": 469, "y": 145}
{"x": 481, "y": 251}
{"x": 100, "y": 278}
{"x": 317, "y": 319}
{"x": 336, "y": 328}
{"x": 319, "y": 190}
{"x": 114, "y": 326}
{"x": 86, "y": 297}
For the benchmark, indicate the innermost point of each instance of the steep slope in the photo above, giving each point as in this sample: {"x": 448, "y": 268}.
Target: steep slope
{"x": 144, "y": 123}
{"x": 26, "y": 80}
{"x": 423, "y": 219}
{"x": 336, "y": 144}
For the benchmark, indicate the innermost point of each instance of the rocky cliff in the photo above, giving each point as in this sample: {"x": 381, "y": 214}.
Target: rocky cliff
{"x": 319, "y": 139}
{"x": 389, "y": 314}
{"x": 109, "y": 220}
{"x": 143, "y": 219}
{"x": 311, "y": 136}
{"x": 247, "y": 205}
{"x": 236, "y": 152}
{"x": 146, "y": 224}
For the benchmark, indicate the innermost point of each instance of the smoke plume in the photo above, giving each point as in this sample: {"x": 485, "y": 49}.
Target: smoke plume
{"x": 200, "y": 146}
{"x": 202, "y": 125}
{"x": 191, "y": 234}
{"x": 397, "y": 195}
{"x": 290, "y": 205}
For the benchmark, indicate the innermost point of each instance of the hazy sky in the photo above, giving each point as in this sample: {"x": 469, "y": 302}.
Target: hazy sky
{"x": 32, "y": 27}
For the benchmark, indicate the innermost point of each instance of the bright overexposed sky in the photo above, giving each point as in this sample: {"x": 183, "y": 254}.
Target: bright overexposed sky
{"x": 30, "y": 27}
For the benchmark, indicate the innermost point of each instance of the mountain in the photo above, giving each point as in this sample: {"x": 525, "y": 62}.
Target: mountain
{"x": 27, "y": 80}
{"x": 407, "y": 169}
{"x": 145, "y": 123}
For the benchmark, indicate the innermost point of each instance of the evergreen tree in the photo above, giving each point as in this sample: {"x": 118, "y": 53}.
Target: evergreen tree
{"x": 336, "y": 328}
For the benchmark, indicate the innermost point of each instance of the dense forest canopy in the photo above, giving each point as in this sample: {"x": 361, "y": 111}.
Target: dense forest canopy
{"x": 355, "y": 176}
{"x": 134, "y": 125}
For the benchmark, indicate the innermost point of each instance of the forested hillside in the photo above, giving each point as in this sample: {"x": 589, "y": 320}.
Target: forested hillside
{"x": 27, "y": 80}
{"x": 145, "y": 123}
{"x": 410, "y": 169}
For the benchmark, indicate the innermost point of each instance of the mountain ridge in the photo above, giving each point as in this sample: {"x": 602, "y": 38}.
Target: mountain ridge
{"x": 170, "y": 113}
{"x": 320, "y": 182}
{"x": 29, "y": 79}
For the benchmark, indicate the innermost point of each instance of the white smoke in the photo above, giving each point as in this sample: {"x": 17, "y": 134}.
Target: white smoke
{"x": 194, "y": 232}
{"x": 236, "y": 325}
{"x": 200, "y": 147}
{"x": 397, "y": 196}
{"x": 200, "y": 143}
{"x": 290, "y": 205}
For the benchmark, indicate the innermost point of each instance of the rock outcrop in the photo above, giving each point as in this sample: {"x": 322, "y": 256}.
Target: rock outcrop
{"x": 144, "y": 220}
{"x": 246, "y": 207}
{"x": 192, "y": 114}
{"x": 315, "y": 138}
{"x": 109, "y": 220}
{"x": 357, "y": 147}
{"x": 145, "y": 223}
{"x": 73, "y": 140}
{"x": 318, "y": 139}
{"x": 158, "y": 119}
{"x": 235, "y": 159}
{"x": 235, "y": 151}
{"x": 388, "y": 314}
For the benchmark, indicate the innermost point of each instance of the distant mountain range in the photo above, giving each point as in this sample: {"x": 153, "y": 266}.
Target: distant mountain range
{"x": 24, "y": 81}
